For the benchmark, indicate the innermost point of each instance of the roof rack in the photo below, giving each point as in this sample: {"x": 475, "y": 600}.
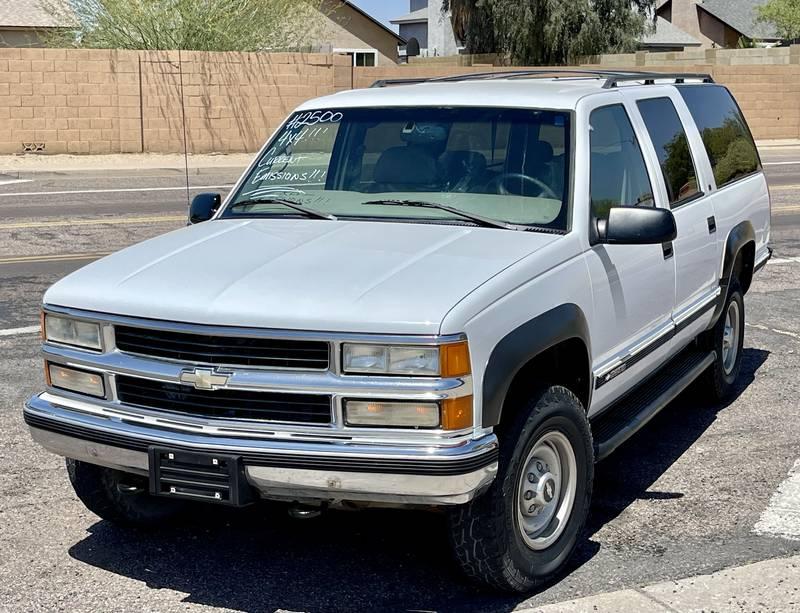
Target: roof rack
{"x": 612, "y": 77}
{"x": 650, "y": 78}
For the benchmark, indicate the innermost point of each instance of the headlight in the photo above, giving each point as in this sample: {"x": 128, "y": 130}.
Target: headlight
{"x": 72, "y": 332}
{"x": 450, "y": 360}
{"x": 74, "y": 380}
{"x": 392, "y": 414}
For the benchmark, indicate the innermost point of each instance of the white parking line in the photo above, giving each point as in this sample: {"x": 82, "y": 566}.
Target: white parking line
{"x": 785, "y": 261}
{"x": 113, "y": 191}
{"x": 782, "y": 515}
{"x": 775, "y": 330}
{"x": 19, "y": 331}
{"x": 781, "y": 163}
{"x": 15, "y": 181}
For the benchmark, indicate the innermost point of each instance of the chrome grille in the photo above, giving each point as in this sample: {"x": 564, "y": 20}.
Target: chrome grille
{"x": 224, "y": 350}
{"x": 224, "y": 403}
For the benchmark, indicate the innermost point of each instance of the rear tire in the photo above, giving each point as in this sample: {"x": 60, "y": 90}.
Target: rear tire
{"x": 119, "y": 497}
{"x": 727, "y": 339}
{"x": 522, "y": 531}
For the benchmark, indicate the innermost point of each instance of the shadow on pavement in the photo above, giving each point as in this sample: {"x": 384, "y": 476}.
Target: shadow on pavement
{"x": 260, "y": 560}
{"x": 629, "y": 472}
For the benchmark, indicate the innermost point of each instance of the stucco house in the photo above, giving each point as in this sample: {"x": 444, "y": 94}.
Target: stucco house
{"x": 717, "y": 23}
{"x": 351, "y": 30}
{"x": 348, "y": 29}
{"x": 24, "y": 22}
{"x": 429, "y": 27}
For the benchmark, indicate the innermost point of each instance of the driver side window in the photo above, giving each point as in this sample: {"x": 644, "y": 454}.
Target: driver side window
{"x": 618, "y": 175}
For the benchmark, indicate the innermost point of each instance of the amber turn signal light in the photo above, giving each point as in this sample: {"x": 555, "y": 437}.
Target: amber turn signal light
{"x": 454, "y": 360}
{"x": 457, "y": 413}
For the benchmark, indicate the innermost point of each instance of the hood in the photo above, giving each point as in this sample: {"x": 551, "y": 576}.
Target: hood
{"x": 345, "y": 276}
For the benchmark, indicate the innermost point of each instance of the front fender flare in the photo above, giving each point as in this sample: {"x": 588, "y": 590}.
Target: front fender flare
{"x": 523, "y": 344}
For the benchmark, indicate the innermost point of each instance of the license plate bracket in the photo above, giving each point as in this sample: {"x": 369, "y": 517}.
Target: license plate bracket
{"x": 208, "y": 477}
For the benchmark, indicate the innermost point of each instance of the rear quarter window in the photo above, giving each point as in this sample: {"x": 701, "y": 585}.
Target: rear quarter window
{"x": 726, "y": 137}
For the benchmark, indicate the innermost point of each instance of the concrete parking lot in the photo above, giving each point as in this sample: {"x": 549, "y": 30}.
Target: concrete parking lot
{"x": 698, "y": 490}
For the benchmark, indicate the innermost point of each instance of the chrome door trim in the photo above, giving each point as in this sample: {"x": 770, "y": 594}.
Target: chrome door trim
{"x": 692, "y": 311}
{"x": 641, "y": 349}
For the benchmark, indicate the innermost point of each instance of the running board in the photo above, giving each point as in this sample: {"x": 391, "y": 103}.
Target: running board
{"x": 624, "y": 419}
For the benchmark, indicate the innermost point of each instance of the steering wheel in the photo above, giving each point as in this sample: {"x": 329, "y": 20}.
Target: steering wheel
{"x": 499, "y": 182}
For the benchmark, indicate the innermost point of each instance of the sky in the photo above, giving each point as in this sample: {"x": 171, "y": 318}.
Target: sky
{"x": 383, "y": 10}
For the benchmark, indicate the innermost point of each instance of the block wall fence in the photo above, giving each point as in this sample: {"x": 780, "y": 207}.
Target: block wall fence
{"x": 108, "y": 101}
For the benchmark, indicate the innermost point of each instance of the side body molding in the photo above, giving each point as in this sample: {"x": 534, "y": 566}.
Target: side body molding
{"x": 523, "y": 344}
{"x": 739, "y": 236}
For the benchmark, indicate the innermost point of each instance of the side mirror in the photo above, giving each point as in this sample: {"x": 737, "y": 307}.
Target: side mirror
{"x": 203, "y": 207}
{"x": 630, "y": 225}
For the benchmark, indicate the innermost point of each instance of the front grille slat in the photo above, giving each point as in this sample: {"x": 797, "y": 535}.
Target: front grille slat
{"x": 220, "y": 342}
{"x": 224, "y": 403}
{"x": 190, "y": 399}
{"x": 224, "y": 350}
{"x": 140, "y": 347}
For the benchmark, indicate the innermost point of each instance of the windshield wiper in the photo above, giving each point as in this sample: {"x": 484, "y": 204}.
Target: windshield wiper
{"x": 487, "y": 222}
{"x": 297, "y": 206}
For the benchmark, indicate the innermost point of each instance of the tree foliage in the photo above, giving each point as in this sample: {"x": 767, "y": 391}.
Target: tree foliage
{"x": 202, "y": 25}
{"x": 549, "y": 32}
{"x": 784, "y": 15}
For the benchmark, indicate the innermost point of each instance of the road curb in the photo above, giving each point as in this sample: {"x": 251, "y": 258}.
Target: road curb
{"x": 771, "y": 585}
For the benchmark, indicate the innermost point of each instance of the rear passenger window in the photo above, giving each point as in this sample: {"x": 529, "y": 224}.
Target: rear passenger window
{"x": 674, "y": 155}
{"x": 618, "y": 175}
{"x": 726, "y": 137}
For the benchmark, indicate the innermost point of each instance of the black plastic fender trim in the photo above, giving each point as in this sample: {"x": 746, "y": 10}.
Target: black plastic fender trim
{"x": 739, "y": 236}
{"x": 523, "y": 344}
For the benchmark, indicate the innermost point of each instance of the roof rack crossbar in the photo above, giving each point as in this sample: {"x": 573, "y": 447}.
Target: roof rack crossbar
{"x": 650, "y": 78}
{"x": 389, "y": 82}
{"x": 612, "y": 77}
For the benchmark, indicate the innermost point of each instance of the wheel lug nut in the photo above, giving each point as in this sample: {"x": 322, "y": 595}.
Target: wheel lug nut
{"x": 532, "y": 509}
{"x": 531, "y": 478}
{"x": 539, "y": 467}
{"x": 528, "y": 494}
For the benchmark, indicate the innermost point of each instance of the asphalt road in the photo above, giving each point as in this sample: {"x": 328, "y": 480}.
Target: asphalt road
{"x": 682, "y": 497}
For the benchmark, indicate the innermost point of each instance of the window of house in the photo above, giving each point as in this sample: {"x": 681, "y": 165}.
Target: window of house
{"x": 618, "y": 175}
{"x": 726, "y": 137}
{"x": 361, "y": 57}
{"x": 672, "y": 147}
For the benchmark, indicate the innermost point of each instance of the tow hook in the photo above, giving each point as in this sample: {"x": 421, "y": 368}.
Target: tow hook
{"x": 306, "y": 511}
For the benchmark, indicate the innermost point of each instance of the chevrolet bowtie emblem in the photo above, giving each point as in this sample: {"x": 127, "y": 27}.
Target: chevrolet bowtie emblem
{"x": 204, "y": 378}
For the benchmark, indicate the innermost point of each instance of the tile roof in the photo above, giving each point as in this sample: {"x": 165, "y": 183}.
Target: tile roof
{"x": 417, "y": 16}
{"x": 741, "y": 16}
{"x": 667, "y": 34}
{"x": 26, "y": 14}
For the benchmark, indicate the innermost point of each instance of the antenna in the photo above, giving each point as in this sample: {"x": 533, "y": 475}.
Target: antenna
{"x": 183, "y": 118}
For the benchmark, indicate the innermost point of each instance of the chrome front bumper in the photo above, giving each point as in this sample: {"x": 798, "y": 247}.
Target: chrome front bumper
{"x": 283, "y": 470}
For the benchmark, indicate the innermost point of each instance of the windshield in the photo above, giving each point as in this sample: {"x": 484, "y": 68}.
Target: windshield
{"x": 509, "y": 165}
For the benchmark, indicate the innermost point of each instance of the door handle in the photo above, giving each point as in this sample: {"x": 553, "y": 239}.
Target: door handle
{"x": 712, "y": 225}
{"x": 667, "y": 249}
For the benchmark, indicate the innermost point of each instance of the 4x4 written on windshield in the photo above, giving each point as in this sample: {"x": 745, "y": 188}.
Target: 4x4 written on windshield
{"x": 507, "y": 165}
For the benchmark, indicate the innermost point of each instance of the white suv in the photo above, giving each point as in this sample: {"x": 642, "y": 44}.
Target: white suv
{"x": 458, "y": 293}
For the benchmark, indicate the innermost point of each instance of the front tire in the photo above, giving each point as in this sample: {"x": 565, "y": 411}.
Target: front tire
{"x": 118, "y": 497}
{"x": 524, "y": 529}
